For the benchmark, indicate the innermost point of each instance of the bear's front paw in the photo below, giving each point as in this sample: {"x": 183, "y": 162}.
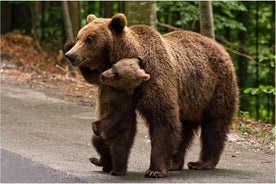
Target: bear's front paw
{"x": 156, "y": 174}
{"x": 201, "y": 165}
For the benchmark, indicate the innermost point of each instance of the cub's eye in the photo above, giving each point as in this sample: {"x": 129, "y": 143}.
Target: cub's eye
{"x": 117, "y": 76}
{"x": 88, "y": 40}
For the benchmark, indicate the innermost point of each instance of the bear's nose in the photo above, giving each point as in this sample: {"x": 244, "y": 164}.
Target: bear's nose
{"x": 70, "y": 56}
{"x": 102, "y": 77}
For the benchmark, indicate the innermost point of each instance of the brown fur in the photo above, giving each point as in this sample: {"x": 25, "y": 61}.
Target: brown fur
{"x": 117, "y": 125}
{"x": 193, "y": 85}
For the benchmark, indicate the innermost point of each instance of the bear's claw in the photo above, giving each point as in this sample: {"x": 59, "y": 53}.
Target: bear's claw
{"x": 156, "y": 174}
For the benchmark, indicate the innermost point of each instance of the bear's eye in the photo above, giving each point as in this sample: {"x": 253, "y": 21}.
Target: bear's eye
{"x": 88, "y": 40}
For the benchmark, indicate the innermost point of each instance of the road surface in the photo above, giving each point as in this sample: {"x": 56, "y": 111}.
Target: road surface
{"x": 45, "y": 139}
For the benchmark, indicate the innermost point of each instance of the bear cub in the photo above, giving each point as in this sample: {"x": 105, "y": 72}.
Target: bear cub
{"x": 123, "y": 78}
{"x": 117, "y": 127}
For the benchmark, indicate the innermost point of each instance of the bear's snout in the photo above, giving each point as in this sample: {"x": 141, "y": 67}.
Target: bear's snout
{"x": 105, "y": 80}
{"x": 70, "y": 56}
{"x": 74, "y": 59}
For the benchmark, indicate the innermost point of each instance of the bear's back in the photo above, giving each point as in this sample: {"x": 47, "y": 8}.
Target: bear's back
{"x": 197, "y": 63}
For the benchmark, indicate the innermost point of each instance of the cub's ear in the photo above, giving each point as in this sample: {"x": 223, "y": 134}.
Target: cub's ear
{"x": 68, "y": 45}
{"x": 143, "y": 75}
{"x": 118, "y": 23}
{"x": 90, "y": 18}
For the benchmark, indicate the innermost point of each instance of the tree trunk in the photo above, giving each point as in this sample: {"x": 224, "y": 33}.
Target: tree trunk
{"x": 20, "y": 17}
{"x": 74, "y": 9}
{"x": 36, "y": 10}
{"x": 36, "y": 14}
{"x": 140, "y": 12}
{"x": 122, "y": 6}
{"x": 206, "y": 19}
{"x": 257, "y": 59}
{"x": 272, "y": 47}
{"x": 5, "y": 17}
{"x": 107, "y": 9}
{"x": 67, "y": 21}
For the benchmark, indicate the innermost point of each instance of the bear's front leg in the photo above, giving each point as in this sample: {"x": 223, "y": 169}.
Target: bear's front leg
{"x": 188, "y": 130}
{"x": 165, "y": 132}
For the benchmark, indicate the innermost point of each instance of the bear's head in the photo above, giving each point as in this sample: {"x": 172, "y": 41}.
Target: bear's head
{"x": 94, "y": 44}
{"x": 125, "y": 75}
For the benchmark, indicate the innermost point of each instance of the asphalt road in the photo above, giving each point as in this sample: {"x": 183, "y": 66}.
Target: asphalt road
{"x": 45, "y": 139}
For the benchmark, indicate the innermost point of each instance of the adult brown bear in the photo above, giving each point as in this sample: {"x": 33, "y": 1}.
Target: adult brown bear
{"x": 192, "y": 85}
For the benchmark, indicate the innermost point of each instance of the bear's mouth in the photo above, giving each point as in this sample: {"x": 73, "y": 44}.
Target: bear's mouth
{"x": 78, "y": 62}
{"x": 85, "y": 62}
{"x": 104, "y": 81}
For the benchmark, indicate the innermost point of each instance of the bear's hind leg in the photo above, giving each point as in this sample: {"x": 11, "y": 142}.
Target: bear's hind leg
{"x": 120, "y": 147}
{"x": 188, "y": 131}
{"x": 103, "y": 149}
{"x": 213, "y": 137}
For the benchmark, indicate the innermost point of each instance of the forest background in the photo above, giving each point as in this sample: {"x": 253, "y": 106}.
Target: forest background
{"x": 245, "y": 28}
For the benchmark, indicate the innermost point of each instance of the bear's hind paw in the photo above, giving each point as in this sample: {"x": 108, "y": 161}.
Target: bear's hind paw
{"x": 176, "y": 166}
{"x": 200, "y": 165}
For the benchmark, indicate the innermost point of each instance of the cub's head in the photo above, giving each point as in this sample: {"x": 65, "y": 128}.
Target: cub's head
{"x": 125, "y": 75}
{"x": 94, "y": 41}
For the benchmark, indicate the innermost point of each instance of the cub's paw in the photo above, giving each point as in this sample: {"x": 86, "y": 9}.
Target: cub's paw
{"x": 200, "y": 165}
{"x": 96, "y": 161}
{"x": 95, "y": 129}
{"x": 68, "y": 45}
{"x": 156, "y": 174}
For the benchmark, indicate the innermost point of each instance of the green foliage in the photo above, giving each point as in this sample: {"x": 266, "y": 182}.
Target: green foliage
{"x": 225, "y": 15}
{"x": 224, "y": 22}
{"x": 235, "y": 23}
{"x": 268, "y": 59}
{"x": 182, "y": 14}
{"x": 227, "y": 8}
{"x": 266, "y": 90}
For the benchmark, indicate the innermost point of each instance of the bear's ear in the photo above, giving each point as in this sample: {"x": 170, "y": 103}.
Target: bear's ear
{"x": 118, "y": 23}
{"x": 143, "y": 75}
{"x": 90, "y": 18}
